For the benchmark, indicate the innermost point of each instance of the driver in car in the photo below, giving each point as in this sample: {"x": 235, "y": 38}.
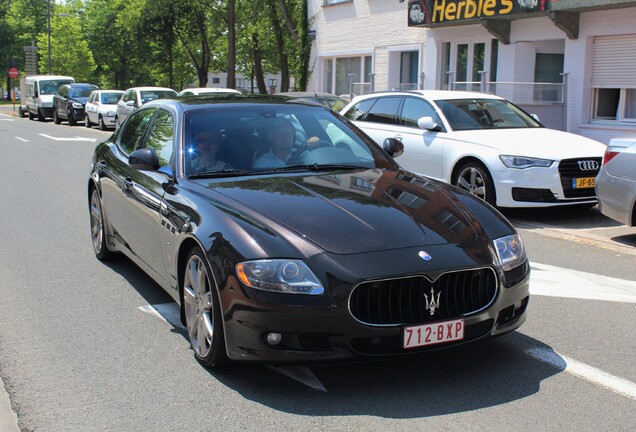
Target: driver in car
{"x": 279, "y": 136}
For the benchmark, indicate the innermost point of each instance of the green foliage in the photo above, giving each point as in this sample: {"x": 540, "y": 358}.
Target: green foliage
{"x": 125, "y": 43}
{"x": 70, "y": 53}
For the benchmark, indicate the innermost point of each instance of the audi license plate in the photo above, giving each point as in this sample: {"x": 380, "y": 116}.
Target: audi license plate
{"x": 584, "y": 182}
{"x": 431, "y": 334}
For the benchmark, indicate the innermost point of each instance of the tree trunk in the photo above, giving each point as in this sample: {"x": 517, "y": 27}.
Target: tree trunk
{"x": 231, "y": 44}
{"x": 280, "y": 43}
{"x": 258, "y": 65}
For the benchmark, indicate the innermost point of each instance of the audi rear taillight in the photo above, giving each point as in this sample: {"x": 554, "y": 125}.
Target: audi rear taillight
{"x": 610, "y": 153}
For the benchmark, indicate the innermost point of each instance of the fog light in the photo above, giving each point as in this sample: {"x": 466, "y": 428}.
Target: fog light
{"x": 274, "y": 338}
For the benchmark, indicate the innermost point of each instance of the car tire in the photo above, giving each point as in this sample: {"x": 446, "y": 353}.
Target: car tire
{"x": 71, "y": 119}
{"x": 56, "y": 118}
{"x": 87, "y": 122}
{"x": 474, "y": 178}
{"x": 102, "y": 125}
{"x": 117, "y": 123}
{"x": 98, "y": 230}
{"x": 41, "y": 116}
{"x": 202, "y": 311}
{"x": 21, "y": 112}
{"x": 31, "y": 116}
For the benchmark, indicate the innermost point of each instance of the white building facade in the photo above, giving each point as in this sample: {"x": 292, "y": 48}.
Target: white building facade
{"x": 572, "y": 62}
{"x": 364, "y": 45}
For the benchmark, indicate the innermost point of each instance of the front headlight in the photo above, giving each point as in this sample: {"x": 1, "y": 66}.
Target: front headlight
{"x": 522, "y": 162}
{"x": 78, "y": 105}
{"x": 279, "y": 275}
{"x": 510, "y": 251}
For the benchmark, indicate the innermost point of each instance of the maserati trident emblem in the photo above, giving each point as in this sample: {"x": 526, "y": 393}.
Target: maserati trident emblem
{"x": 433, "y": 303}
{"x": 424, "y": 255}
{"x": 588, "y": 165}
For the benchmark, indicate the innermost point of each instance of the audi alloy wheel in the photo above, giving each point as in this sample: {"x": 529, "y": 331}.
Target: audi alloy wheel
{"x": 473, "y": 177}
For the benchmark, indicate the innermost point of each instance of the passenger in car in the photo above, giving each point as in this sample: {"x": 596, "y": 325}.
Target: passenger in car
{"x": 278, "y": 137}
{"x": 204, "y": 153}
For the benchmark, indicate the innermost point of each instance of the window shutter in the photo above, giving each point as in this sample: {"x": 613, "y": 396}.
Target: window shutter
{"x": 614, "y": 62}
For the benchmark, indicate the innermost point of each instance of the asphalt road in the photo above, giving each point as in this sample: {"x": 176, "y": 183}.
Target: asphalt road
{"x": 83, "y": 349}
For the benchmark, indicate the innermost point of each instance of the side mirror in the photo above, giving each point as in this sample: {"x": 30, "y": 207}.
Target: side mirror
{"x": 144, "y": 159}
{"x": 131, "y": 103}
{"x": 393, "y": 146}
{"x": 427, "y": 123}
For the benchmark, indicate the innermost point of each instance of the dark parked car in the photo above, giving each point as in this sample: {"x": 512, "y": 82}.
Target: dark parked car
{"x": 69, "y": 102}
{"x": 280, "y": 251}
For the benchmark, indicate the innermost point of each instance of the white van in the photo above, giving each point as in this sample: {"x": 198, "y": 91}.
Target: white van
{"x": 37, "y": 95}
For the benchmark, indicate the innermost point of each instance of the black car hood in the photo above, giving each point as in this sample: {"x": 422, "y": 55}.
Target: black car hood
{"x": 352, "y": 212}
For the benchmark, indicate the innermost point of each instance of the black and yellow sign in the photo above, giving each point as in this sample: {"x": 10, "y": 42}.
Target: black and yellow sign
{"x": 431, "y": 12}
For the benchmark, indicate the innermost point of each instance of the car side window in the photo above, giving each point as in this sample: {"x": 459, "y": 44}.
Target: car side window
{"x": 413, "y": 109}
{"x": 359, "y": 110}
{"x": 385, "y": 110}
{"x": 161, "y": 136}
{"x": 132, "y": 135}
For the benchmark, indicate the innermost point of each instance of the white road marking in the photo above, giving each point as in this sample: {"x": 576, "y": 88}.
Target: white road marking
{"x": 7, "y": 119}
{"x": 22, "y": 139}
{"x": 168, "y": 312}
{"x": 588, "y": 373}
{"x": 546, "y": 280}
{"x": 69, "y": 139}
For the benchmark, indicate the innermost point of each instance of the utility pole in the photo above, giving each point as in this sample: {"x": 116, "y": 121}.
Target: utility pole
{"x": 48, "y": 19}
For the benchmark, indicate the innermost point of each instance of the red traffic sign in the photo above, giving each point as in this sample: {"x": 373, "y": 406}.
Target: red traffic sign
{"x": 14, "y": 73}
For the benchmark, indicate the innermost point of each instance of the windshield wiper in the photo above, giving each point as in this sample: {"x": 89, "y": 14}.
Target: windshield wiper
{"x": 317, "y": 167}
{"x": 221, "y": 173}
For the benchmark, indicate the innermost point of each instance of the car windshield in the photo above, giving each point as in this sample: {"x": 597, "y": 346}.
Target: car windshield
{"x": 49, "y": 87}
{"x": 78, "y": 92}
{"x": 110, "y": 98}
{"x": 150, "y": 95}
{"x": 471, "y": 114}
{"x": 274, "y": 138}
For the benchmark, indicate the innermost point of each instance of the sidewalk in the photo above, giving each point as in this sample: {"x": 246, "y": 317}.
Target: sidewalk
{"x": 8, "y": 419}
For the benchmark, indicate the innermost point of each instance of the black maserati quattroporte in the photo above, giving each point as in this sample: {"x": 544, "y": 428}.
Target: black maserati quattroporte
{"x": 286, "y": 235}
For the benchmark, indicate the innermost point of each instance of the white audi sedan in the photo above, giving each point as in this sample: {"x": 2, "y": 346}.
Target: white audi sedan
{"x": 484, "y": 144}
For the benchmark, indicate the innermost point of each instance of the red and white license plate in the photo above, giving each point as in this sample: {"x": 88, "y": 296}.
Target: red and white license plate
{"x": 431, "y": 334}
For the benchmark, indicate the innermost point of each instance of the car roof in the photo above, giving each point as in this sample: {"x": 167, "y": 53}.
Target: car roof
{"x": 214, "y": 100}
{"x": 434, "y": 94}
{"x": 150, "y": 88}
{"x": 201, "y": 90}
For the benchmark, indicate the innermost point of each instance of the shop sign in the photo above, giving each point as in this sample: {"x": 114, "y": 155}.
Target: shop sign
{"x": 431, "y": 12}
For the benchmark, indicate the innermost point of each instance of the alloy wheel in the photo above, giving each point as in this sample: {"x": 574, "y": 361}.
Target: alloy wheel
{"x": 472, "y": 180}
{"x": 198, "y": 306}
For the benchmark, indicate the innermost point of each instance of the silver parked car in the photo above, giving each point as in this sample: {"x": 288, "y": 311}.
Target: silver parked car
{"x": 101, "y": 107}
{"x": 137, "y": 96}
{"x": 616, "y": 182}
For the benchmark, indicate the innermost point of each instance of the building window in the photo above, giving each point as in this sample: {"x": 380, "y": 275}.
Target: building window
{"x": 344, "y": 75}
{"x": 614, "y": 104}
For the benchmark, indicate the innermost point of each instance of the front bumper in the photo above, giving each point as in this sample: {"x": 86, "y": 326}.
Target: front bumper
{"x": 542, "y": 187}
{"x": 322, "y": 328}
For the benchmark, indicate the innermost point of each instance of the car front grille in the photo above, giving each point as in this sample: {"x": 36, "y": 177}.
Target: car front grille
{"x": 576, "y": 168}
{"x": 408, "y": 300}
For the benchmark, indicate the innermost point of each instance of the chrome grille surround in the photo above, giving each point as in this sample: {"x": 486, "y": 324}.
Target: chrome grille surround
{"x": 399, "y": 301}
